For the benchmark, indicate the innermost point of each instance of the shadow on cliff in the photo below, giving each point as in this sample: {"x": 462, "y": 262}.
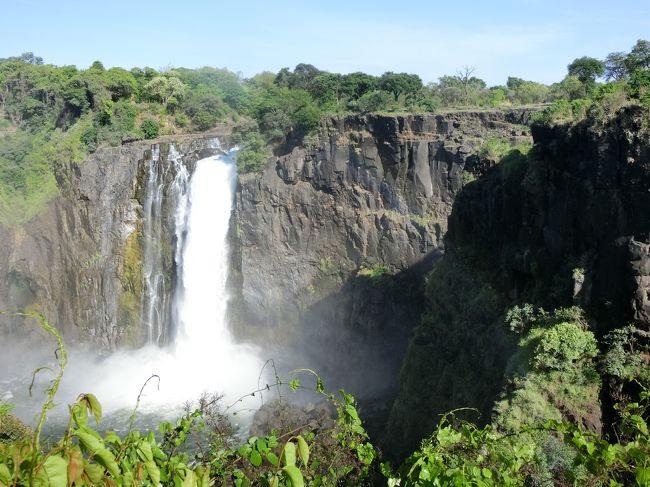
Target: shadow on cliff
{"x": 356, "y": 338}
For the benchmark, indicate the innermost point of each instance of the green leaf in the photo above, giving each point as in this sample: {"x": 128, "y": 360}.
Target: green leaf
{"x": 5, "y": 476}
{"x": 79, "y": 414}
{"x": 274, "y": 481}
{"x": 294, "y": 384}
{"x": 94, "y": 472}
{"x": 89, "y": 441}
{"x": 642, "y": 476}
{"x": 202, "y": 475}
{"x": 303, "y": 450}
{"x": 256, "y": 458}
{"x": 447, "y": 436}
{"x": 261, "y": 446}
{"x": 288, "y": 456}
{"x": 152, "y": 471}
{"x": 94, "y": 406}
{"x": 352, "y": 412}
{"x": 294, "y": 475}
{"x": 272, "y": 458}
{"x": 189, "y": 480}
{"x": 53, "y": 473}
{"x": 111, "y": 437}
{"x": 106, "y": 458}
{"x": 144, "y": 451}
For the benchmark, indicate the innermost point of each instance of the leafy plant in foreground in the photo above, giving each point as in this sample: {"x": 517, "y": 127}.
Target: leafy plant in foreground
{"x": 337, "y": 455}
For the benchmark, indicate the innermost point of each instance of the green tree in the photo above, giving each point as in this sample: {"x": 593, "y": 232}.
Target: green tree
{"x": 326, "y": 87}
{"x": 374, "y": 101}
{"x": 615, "y": 66}
{"x": 150, "y": 128}
{"x": 563, "y": 345}
{"x": 400, "y": 84}
{"x": 639, "y": 57}
{"x": 252, "y": 156}
{"x": 162, "y": 88}
{"x": 586, "y": 69}
{"x": 355, "y": 85}
{"x": 303, "y": 74}
{"x": 570, "y": 88}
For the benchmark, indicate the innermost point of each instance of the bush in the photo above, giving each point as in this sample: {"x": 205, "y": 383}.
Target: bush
{"x": 89, "y": 138}
{"x": 150, "y": 129}
{"x": 252, "y": 156}
{"x": 563, "y": 345}
{"x": 494, "y": 148}
{"x": 375, "y": 101}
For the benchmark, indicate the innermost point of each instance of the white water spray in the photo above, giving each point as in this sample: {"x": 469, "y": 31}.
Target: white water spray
{"x": 204, "y": 357}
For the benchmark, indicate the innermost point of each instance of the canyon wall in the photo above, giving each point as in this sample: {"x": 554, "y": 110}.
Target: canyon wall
{"x": 80, "y": 261}
{"x": 334, "y": 240}
{"x": 566, "y": 225}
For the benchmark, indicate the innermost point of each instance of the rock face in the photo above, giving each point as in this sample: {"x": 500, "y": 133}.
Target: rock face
{"x": 569, "y": 224}
{"x": 80, "y": 262}
{"x": 576, "y": 214}
{"x": 334, "y": 240}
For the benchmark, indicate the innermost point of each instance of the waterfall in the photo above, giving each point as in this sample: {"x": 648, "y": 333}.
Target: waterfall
{"x": 191, "y": 220}
{"x": 201, "y": 298}
{"x": 157, "y": 220}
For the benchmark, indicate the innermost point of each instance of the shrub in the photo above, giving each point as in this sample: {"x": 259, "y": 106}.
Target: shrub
{"x": 252, "y": 156}
{"x": 374, "y": 101}
{"x": 494, "y": 148}
{"x": 150, "y": 129}
{"x": 563, "y": 345}
{"x": 89, "y": 138}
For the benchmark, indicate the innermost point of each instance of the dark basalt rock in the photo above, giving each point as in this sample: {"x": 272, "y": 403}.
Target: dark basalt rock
{"x": 332, "y": 242}
{"x": 568, "y": 225}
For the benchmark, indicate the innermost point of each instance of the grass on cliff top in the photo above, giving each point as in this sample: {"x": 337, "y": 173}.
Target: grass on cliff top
{"x": 27, "y": 170}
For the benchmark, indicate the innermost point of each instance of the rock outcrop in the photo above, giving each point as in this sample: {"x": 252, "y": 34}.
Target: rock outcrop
{"x": 334, "y": 240}
{"x": 568, "y": 224}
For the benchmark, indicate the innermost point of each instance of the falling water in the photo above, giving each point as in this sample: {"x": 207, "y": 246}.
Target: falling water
{"x": 203, "y": 357}
{"x": 158, "y": 204}
{"x": 202, "y": 299}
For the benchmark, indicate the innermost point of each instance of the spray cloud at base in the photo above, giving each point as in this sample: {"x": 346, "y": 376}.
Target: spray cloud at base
{"x": 202, "y": 356}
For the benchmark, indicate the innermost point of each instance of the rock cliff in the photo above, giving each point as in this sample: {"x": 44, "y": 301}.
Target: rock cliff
{"x": 568, "y": 224}
{"x": 334, "y": 239}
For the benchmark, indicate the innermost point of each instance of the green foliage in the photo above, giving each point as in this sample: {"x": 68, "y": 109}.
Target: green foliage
{"x": 150, "y": 129}
{"x": 373, "y": 272}
{"x": 586, "y": 69}
{"x": 494, "y": 148}
{"x": 639, "y": 86}
{"x": 563, "y": 345}
{"x": 164, "y": 88}
{"x": 526, "y": 92}
{"x": 623, "y": 359}
{"x": 564, "y": 111}
{"x": 337, "y": 455}
{"x": 639, "y": 56}
{"x": 374, "y": 101}
{"x": 400, "y": 84}
{"x": 253, "y": 154}
{"x": 549, "y": 453}
{"x": 89, "y": 138}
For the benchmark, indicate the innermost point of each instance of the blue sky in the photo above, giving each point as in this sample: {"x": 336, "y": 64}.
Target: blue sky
{"x": 532, "y": 39}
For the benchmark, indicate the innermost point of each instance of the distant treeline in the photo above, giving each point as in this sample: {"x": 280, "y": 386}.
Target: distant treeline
{"x": 50, "y": 114}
